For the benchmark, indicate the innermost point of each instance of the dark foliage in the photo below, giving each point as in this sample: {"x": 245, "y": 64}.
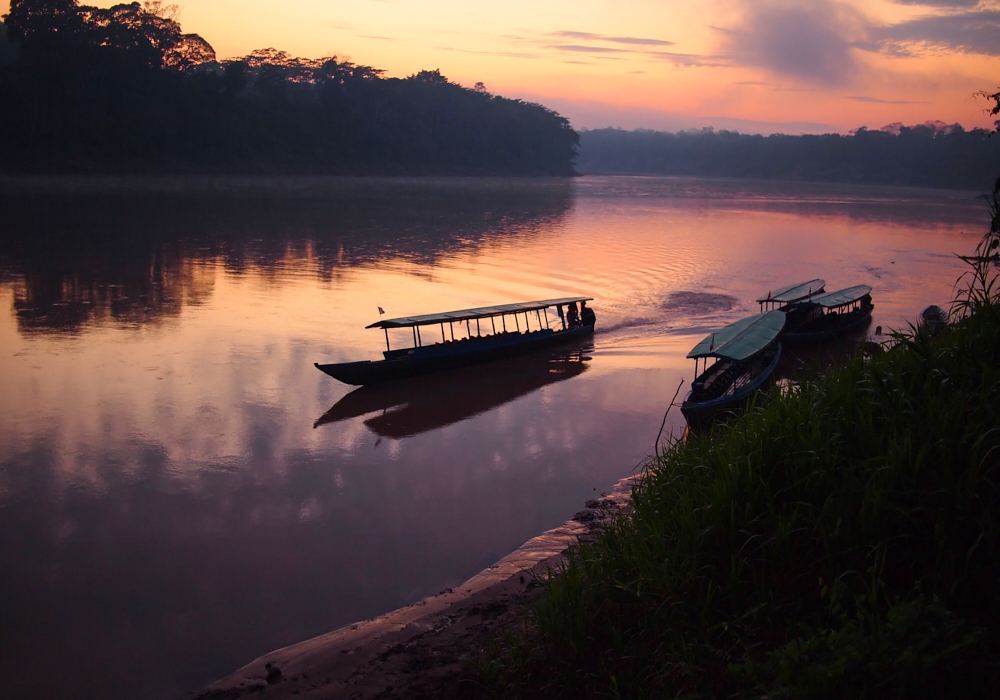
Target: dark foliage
{"x": 124, "y": 89}
{"x": 993, "y": 97}
{"x": 933, "y": 155}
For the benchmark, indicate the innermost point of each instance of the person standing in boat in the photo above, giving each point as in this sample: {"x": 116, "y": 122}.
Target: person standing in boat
{"x": 587, "y": 317}
{"x": 572, "y": 315}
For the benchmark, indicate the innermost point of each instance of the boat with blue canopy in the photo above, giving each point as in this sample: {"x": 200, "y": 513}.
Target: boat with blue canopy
{"x": 828, "y": 315}
{"x": 483, "y": 334}
{"x": 744, "y": 355}
{"x": 791, "y": 294}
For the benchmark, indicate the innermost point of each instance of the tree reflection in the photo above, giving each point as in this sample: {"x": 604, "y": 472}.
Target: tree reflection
{"x": 66, "y": 301}
{"x": 129, "y": 258}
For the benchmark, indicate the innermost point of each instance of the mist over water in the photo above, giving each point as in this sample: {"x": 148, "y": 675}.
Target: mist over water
{"x": 181, "y": 490}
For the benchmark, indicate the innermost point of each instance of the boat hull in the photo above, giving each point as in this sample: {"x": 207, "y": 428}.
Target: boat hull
{"x": 844, "y": 325}
{"x": 371, "y": 372}
{"x": 704, "y": 413}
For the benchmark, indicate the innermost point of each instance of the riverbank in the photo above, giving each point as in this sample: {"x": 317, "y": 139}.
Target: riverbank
{"x": 421, "y": 650}
{"x": 843, "y": 540}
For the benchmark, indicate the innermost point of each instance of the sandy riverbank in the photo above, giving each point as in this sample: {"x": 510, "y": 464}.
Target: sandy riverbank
{"x": 417, "y": 651}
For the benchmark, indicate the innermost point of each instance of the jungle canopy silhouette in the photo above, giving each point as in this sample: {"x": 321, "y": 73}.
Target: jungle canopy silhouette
{"x": 932, "y": 155}
{"x": 124, "y": 89}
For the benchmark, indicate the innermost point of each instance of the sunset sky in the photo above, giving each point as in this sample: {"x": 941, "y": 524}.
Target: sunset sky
{"x": 751, "y": 65}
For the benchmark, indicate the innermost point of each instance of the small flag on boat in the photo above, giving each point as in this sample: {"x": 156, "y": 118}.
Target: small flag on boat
{"x": 380, "y": 311}
{"x": 711, "y": 346}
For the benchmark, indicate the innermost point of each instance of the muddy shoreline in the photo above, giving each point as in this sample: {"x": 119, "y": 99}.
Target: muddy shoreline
{"x": 417, "y": 651}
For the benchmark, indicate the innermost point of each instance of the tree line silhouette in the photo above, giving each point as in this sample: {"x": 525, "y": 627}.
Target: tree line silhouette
{"x": 124, "y": 89}
{"x": 932, "y": 154}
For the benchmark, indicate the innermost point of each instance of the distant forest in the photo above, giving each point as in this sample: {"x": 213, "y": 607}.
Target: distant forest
{"x": 932, "y": 155}
{"x": 123, "y": 89}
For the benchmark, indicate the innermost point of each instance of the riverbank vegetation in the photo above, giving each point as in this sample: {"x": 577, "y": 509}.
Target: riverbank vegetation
{"x": 124, "y": 89}
{"x": 840, "y": 541}
{"x": 930, "y": 155}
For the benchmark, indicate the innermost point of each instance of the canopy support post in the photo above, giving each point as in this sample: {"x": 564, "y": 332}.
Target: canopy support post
{"x": 493, "y": 323}
{"x": 479, "y": 333}
{"x": 420, "y": 341}
{"x": 387, "y": 348}
{"x": 414, "y": 329}
{"x": 451, "y": 327}
{"x": 442, "y": 331}
{"x": 517, "y": 324}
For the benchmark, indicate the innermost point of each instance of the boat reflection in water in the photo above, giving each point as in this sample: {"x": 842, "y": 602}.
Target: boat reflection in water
{"x": 419, "y": 404}
{"x": 798, "y": 361}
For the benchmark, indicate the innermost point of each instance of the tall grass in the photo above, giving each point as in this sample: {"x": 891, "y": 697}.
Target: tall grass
{"x": 840, "y": 540}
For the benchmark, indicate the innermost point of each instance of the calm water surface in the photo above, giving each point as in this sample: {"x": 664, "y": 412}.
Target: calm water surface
{"x": 181, "y": 491}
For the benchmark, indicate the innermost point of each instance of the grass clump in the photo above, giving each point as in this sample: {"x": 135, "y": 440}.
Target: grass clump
{"x": 841, "y": 540}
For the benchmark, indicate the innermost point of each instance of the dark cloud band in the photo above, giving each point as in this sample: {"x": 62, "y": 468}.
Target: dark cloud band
{"x": 811, "y": 41}
{"x": 967, "y": 32}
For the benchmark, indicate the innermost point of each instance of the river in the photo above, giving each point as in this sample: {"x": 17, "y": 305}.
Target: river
{"x": 182, "y": 491}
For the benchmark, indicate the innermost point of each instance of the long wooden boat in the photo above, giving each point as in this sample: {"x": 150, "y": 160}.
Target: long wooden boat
{"x": 745, "y": 354}
{"x": 792, "y": 293}
{"x": 490, "y": 333}
{"x": 828, "y": 315}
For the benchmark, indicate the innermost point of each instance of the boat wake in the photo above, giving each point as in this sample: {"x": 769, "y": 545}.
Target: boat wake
{"x": 686, "y": 313}
{"x": 698, "y": 303}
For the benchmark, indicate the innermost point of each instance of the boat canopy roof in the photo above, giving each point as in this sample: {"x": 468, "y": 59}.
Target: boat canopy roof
{"x": 794, "y": 292}
{"x": 842, "y": 297}
{"x": 742, "y": 339}
{"x": 469, "y": 314}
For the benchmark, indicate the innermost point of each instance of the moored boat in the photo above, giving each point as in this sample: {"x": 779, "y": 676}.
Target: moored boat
{"x": 933, "y": 319}
{"x": 512, "y": 329}
{"x": 792, "y": 293}
{"x": 745, "y": 354}
{"x": 828, "y": 315}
